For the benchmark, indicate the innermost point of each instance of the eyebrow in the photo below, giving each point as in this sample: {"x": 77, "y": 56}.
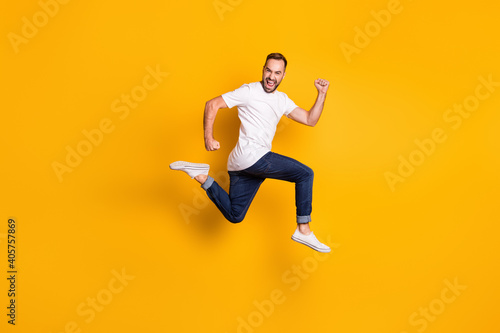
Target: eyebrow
{"x": 271, "y": 70}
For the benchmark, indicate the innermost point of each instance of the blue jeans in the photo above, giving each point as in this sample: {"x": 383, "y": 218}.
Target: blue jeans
{"x": 244, "y": 184}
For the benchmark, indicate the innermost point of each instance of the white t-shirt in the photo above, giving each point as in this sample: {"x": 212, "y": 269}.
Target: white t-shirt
{"x": 259, "y": 113}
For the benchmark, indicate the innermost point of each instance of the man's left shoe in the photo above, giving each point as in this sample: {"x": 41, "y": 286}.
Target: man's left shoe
{"x": 310, "y": 240}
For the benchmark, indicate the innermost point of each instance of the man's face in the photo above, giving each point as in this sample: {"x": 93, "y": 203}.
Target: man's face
{"x": 272, "y": 74}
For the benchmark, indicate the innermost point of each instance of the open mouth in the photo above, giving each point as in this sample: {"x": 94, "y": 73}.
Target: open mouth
{"x": 270, "y": 84}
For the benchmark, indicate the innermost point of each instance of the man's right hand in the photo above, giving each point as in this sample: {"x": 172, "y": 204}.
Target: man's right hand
{"x": 211, "y": 144}
{"x": 211, "y": 108}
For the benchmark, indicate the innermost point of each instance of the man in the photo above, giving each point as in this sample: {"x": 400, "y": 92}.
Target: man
{"x": 260, "y": 108}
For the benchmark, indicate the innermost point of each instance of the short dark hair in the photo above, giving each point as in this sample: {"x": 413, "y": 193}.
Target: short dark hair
{"x": 276, "y": 56}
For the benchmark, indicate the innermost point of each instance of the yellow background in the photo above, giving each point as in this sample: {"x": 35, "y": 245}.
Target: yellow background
{"x": 189, "y": 270}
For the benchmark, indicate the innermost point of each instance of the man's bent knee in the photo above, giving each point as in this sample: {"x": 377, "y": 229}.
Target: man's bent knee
{"x": 235, "y": 219}
{"x": 309, "y": 173}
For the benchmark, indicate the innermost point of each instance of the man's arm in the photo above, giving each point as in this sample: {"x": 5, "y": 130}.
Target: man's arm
{"x": 211, "y": 108}
{"x": 311, "y": 117}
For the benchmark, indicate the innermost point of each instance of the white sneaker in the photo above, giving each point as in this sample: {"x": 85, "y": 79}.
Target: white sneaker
{"x": 310, "y": 240}
{"x": 192, "y": 169}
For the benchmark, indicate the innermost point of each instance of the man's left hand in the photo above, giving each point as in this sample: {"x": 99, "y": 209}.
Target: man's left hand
{"x": 322, "y": 85}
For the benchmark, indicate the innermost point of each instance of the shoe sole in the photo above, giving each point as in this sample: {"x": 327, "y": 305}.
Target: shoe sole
{"x": 298, "y": 240}
{"x": 181, "y": 164}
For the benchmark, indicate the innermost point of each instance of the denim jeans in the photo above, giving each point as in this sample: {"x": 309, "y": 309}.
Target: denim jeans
{"x": 244, "y": 184}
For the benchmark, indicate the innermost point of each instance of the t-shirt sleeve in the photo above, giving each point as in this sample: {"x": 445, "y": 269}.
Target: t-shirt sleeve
{"x": 289, "y": 105}
{"x": 237, "y": 97}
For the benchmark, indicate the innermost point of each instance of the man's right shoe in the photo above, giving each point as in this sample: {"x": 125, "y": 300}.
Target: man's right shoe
{"x": 192, "y": 169}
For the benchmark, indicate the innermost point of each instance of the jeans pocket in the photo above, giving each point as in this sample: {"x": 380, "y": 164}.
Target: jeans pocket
{"x": 259, "y": 168}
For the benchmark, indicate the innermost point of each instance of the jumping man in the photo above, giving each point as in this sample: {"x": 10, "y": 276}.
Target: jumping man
{"x": 260, "y": 108}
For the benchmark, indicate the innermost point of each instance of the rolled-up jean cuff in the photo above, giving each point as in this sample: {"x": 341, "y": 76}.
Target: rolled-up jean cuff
{"x": 206, "y": 185}
{"x": 304, "y": 219}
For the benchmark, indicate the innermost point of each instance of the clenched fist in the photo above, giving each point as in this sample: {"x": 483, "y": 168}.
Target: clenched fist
{"x": 322, "y": 85}
{"x": 211, "y": 144}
